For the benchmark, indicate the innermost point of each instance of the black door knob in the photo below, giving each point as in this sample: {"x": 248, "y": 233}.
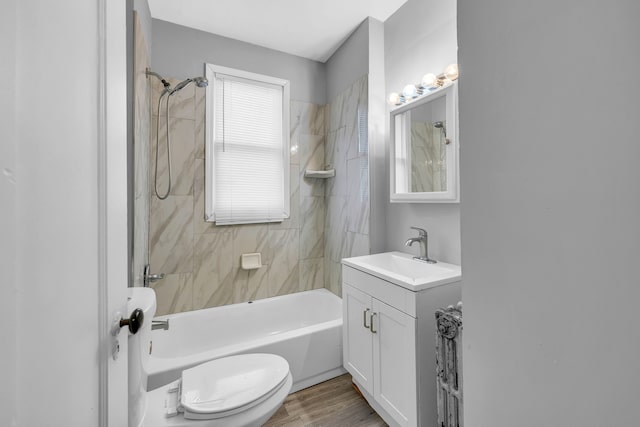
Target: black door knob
{"x": 134, "y": 321}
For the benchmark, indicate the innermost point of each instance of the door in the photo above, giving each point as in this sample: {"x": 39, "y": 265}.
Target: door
{"x": 394, "y": 362}
{"x": 356, "y": 336}
{"x": 112, "y": 202}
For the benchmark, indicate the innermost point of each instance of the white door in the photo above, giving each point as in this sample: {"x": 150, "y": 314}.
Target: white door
{"x": 112, "y": 160}
{"x": 394, "y": 362}
{"x": 356, "y": 336}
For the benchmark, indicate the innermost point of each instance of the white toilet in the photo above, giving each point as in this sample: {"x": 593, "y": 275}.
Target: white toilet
{"x": 236, "y": 391}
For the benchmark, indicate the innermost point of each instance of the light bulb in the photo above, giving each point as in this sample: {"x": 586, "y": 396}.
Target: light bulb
{"x": 451, "y": 72}
{"x": 395, "y": 99}
{"x": 410, "y": 91}
{"x": 429, "y": 81}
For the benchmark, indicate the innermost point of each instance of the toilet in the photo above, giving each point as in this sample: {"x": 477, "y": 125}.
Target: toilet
{"x": 237, "y": 391}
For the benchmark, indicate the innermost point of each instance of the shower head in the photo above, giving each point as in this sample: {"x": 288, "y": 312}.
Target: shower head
{"x": 199, "y": 81}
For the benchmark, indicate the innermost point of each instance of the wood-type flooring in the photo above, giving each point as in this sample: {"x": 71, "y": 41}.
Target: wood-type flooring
{"x": 333, "y": 403}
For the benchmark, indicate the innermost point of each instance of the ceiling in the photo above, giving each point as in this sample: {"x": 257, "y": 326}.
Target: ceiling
{"x": 311, "y": 29}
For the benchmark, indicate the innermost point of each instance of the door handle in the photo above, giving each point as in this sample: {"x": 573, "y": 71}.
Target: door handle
{"x": 134, "y": 322}
{"x": 364, "y": 319}
{"x": 371, "y": 326}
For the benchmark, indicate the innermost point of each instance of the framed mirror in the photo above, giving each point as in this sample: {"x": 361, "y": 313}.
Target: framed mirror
{"x": 424, "y": 152}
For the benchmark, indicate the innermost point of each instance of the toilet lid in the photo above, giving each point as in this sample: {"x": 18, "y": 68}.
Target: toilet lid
{"x": 229, "y": 385}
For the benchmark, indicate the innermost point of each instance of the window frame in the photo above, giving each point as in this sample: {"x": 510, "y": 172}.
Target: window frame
{"x": 211, "y": 70}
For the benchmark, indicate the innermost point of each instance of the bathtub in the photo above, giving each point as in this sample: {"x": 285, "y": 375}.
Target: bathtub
{"x": 305, "y": 328}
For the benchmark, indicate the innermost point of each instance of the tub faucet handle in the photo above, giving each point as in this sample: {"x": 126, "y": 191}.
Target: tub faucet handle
{"x": 148, "y": 278}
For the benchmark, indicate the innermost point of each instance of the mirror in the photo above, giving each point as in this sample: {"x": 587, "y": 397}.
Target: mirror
{"x": 424, "y": 155}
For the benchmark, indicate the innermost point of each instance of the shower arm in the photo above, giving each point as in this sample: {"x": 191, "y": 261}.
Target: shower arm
{"x": 443, "y": 129}
{"x": 165, "y": 83}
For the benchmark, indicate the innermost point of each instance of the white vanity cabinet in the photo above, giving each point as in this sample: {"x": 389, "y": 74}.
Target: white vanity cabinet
{"x": 389, "y": 336}
{"x": 379, "y": 352}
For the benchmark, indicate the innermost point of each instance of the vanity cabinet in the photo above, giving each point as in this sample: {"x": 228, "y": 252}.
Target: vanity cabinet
{"x": 389, "y": 340}
{"x": 379, "y": 350}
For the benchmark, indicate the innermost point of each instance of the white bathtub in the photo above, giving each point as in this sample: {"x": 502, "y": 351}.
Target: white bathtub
{"x": 305, "y": 328}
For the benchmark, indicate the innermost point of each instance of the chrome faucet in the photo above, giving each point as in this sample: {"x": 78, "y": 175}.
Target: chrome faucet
{"x": 160, "y": 324}
{"x": 424, "y": 249}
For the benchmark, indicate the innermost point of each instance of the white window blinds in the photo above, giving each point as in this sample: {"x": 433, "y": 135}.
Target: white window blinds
{"x": 248, "y": 154}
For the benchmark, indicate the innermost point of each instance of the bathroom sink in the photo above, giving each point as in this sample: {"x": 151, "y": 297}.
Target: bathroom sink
{"x": 403, "y": 270}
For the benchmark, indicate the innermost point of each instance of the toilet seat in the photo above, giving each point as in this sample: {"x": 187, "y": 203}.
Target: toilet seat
{"x": 224, "y": 387}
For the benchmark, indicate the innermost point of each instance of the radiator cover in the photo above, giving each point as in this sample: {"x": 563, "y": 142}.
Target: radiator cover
{"x": 449, "y": 366}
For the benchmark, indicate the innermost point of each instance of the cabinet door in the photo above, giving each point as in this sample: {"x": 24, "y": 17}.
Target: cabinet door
{"x": 394, "y": 362}
{"x": 356, "y": 336}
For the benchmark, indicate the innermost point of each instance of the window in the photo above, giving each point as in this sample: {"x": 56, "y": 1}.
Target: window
{"x": 247, "y": 147}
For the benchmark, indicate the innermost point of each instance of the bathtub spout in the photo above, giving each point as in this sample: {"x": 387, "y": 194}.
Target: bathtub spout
{"x": 160, "y": 324}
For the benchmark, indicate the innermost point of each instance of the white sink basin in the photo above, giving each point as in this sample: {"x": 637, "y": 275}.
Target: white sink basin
{"x": 403, "y": 270}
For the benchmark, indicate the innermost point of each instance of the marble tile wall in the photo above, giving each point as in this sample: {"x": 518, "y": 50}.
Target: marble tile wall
{"x": 347, "y": 195}
{"x": 201, "y": 260}
{"x": 428, "y": 158}
{"x": 142, "y": 118}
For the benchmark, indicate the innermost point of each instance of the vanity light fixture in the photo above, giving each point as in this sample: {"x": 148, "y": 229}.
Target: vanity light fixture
{"x": 410, "y": 92}
{"x": 396, "y": 99}
{"x": 429, "y": 83}
{"x": 451, "y": 72}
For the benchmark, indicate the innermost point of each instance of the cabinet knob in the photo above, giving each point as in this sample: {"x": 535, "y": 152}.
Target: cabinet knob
{"x": 364, "y": 319}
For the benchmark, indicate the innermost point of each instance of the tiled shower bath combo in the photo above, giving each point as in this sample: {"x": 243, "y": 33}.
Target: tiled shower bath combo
{"x": 329, "y": 218}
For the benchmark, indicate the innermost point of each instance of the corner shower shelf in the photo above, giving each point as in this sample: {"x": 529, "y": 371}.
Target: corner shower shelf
{"x": 320, "y": 174}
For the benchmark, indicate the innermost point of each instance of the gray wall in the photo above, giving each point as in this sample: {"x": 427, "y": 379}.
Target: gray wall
{"x": 349, "y": 62}
{"x": 550, "y": 212}
{"x": 181, "y": 52}
{"x": 377, "y": 137}
{"x": 419, "y": 38}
